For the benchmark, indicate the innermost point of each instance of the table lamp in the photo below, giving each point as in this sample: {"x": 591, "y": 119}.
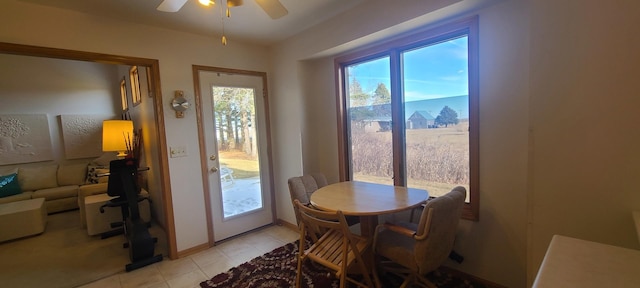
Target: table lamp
{"x": 117, "y": 136}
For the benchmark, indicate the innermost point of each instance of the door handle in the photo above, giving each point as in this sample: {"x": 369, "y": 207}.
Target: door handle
{"x": 213, "y": 169}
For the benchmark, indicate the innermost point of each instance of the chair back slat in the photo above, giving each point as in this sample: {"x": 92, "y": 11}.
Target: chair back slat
{"x": 333, "y": 245}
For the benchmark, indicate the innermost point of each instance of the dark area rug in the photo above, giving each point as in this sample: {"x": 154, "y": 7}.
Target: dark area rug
{"x": 278, "y": 269}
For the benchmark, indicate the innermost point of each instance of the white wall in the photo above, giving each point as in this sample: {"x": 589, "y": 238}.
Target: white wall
{"x": 495, "y": 246}
{"x": 319, "y": 118}
{"x": 584, "y": 97}
{"x": 33, "y": 85}
{"x": 176, "y": 52}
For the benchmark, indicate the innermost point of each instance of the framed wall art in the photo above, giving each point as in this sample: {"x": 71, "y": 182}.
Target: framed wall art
{"x": 135, "y": 85}
{"x": 82, "y": 135}
{"x": 123, "y": 95}
{"x": 24, "y": 138}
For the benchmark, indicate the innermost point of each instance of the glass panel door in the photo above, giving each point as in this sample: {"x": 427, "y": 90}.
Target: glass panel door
{"x": 239, "y": 172}
{"x": 235, "y": 129}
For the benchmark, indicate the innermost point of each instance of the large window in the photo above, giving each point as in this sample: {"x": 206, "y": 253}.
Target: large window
{"x": 409, "y": 112}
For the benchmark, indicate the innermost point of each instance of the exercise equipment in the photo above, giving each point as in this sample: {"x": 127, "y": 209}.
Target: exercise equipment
{"x": 123, "y": 186}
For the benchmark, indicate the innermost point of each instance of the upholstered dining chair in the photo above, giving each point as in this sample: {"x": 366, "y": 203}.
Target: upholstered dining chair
{"x": 301, "y": 188}
{"x": 332, "y": 245}
{"x": 412, "y": 250}
{"x": 419, "y": 208}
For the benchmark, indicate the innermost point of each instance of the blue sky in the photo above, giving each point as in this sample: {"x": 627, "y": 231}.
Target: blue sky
{"x": 431, "y": 72}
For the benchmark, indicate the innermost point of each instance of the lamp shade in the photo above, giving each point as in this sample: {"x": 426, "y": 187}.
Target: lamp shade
{"x": 116, "y": 134}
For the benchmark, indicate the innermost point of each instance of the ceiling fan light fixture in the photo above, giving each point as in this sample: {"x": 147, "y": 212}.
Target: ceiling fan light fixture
{"x": 234, "y": 3}
{"x": 206, "y": 2}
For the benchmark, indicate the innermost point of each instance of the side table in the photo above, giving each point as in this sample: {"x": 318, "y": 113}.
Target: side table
{"x": 98, "y": 223}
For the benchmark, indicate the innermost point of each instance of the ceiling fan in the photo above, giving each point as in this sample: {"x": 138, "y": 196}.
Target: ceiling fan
{"x": 273, "y": 8}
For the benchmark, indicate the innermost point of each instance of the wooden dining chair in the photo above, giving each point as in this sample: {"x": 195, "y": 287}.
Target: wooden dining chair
{"x": 332, "y": 245}
{"x": 412, "y": 250}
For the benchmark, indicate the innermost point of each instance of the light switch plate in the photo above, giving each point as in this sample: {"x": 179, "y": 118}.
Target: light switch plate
{"x": 177, "y": 151}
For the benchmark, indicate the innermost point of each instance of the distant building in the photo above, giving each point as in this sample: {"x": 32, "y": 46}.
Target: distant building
{"x": 421, "y": 120}
{"x": 382, "y": 124}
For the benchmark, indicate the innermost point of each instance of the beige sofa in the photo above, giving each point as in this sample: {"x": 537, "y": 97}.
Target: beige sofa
{"x": 64, "y": 187}
{"x": 59, "y": 185}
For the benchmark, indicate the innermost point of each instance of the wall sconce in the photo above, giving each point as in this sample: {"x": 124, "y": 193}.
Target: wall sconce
{"x": 179, "y": 103}
{"x": 116, "y": 134}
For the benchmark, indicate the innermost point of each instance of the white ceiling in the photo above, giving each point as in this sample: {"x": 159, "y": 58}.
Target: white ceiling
{"x": 248, "y": 23}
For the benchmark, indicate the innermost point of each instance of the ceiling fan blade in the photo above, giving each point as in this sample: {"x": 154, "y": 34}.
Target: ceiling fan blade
{"x": 171, "y": 5}
{"x": 273, "y": 8}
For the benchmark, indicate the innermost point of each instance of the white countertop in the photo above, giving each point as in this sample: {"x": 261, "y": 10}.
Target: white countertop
{"x": 571, "y": 262}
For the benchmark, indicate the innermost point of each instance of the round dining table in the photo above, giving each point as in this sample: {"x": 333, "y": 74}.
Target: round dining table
{"x": 367, "y": 200}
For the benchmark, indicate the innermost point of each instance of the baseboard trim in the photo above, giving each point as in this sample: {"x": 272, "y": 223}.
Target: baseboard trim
{"x": 286, "y": 224}
{"x": 487, "y": 283}
{"x": 193, "y": 250}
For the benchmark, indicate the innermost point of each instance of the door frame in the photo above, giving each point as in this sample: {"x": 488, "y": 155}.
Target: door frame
{"x": 163, "y": 161}
{"x": 202, "y": 145}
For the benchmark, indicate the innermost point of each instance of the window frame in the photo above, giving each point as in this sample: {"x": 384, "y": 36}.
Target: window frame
{"x": 393, "y": 48}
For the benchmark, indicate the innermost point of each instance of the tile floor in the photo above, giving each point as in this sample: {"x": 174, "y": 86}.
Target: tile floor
{"x": 190, "y": 271}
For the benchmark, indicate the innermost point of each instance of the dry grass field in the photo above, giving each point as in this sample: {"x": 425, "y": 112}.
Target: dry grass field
{"x": 437, "y": 159}
{"x": 243, "y": 165}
